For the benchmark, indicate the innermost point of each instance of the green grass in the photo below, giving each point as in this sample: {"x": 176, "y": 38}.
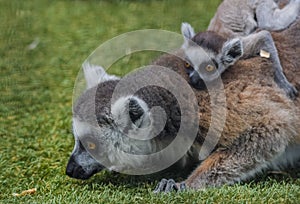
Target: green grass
{"x": 36, "y": 100}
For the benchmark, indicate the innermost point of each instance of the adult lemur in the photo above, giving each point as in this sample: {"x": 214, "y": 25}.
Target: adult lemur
{"x": 261, "y": 130}
{"x": 231, "y": 35}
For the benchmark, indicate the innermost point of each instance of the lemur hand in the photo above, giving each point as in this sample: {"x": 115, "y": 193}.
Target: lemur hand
{"x": 166, "y": 186}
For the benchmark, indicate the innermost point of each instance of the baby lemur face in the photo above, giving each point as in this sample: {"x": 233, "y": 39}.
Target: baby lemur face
{"x": 208, "y": 55}
{"x": 199, "y": 68}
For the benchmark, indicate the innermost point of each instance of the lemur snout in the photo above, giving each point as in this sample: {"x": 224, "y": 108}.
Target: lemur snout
{"x": 196, "y": 81}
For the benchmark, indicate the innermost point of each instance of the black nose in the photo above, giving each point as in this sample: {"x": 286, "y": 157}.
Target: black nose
{"x": 197, "y": 82}
{"x": 74, "y": 170}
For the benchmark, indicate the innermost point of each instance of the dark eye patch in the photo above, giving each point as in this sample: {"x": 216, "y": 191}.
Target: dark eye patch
{"x": 188, "y": 67}
{"x": 189, "y": 70}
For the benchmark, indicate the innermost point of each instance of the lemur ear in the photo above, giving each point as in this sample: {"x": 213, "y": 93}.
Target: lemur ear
{"x": 130, "y": 110}
{"x": 187, "y": 31}
{"x": 232, "y": 51}
{"x": 94, "y": 75}
{"x": 136, "y": 111}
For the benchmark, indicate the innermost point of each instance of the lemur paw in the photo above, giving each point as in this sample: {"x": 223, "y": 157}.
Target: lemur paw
{"x": 288, "y": 88}
{"x": 291, "y": 91}
{"x": 166, "y": 186}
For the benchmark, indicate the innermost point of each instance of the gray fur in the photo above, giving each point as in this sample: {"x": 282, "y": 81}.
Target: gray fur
{"x": 231, "y": 46}
{"x": 261, "y": 131}
{"x": 98, "y": 121}
{"x": 240, "y": 19}
{"x": 188, "y": 32}
{"x": 95, "y": 74}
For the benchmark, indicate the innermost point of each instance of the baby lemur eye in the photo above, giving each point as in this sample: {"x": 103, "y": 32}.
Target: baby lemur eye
{"x": 210, "y": 68}
{"x": 187, "y": 65}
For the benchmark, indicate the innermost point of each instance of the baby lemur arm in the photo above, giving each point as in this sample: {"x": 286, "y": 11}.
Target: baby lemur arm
{"x": 270, "y": 16}
{"x": 254, "y": 43}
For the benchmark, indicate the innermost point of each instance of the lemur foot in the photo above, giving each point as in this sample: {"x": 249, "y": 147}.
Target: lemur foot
{"x": 288, "y": 88}
{"x": 292, "y": 92}
{"x": 167, "y": 186}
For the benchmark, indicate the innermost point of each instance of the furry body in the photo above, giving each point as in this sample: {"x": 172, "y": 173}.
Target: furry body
{"x": 237, "y": 22}
{"x": 261, "y": 131}
{"x": 241, "y": 18}
{"x": 262, "y": 127}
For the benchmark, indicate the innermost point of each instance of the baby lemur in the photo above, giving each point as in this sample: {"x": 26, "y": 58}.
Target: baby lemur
{"x": 231, "y": 36}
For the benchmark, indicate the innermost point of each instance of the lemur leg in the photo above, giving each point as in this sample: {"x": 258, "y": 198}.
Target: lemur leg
{"x": 270, "y": 16}
{"x": 252, "y": 152}
{"x": 263, "y": 40}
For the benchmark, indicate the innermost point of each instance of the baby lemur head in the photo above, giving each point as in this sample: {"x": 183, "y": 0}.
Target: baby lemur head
{"x": 208, "y": 55}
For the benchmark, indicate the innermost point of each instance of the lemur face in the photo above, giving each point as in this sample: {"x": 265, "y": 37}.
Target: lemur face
{"x": 208, "y": 55}
{"x": 101, "y": 131}
{"x": 199, "y": 69}
{"x": 81, "y": 164}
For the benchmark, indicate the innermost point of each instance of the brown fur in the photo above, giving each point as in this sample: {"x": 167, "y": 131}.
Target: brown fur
{"x": 262, "y": 122}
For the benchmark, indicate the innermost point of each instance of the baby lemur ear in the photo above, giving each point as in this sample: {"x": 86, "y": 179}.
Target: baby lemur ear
{"x": 187, "y": 31}
{"x": 232, "y": 51}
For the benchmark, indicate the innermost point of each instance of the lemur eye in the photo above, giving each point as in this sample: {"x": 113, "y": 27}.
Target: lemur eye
{"x": 187, "y": 65}
{"x": 91, "y": 145}
{"x": 210, "y": 68}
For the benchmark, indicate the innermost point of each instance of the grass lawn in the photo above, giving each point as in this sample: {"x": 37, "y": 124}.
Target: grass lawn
{"x": 36, "y": 86}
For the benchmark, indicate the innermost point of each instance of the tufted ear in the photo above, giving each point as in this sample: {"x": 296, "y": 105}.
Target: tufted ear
{"x": 136, "y": 112}
{"x": 95, "y": 74}
{"x": 131, "y": 111}
{"x": 188, "y": 32}
{"x": 231, "y": 52}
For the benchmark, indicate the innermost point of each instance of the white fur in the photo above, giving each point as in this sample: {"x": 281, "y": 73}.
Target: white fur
{"x": 111, "y": 156}
{"x": 95, "y": 74}
{"x": 188, "y": 33}
{"x": 196, "y": 55}
{"x": 120, "y": 111}
{"x": 143, "y": 128}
